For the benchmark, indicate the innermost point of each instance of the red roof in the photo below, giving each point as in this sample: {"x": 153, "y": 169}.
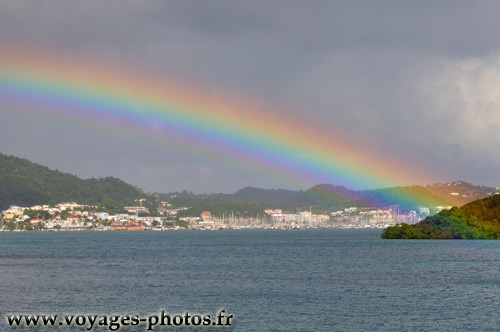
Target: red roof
{"x": 206, "y": 213}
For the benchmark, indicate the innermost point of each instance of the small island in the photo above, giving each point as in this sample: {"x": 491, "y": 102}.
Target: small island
{"x": 479, "y": 219}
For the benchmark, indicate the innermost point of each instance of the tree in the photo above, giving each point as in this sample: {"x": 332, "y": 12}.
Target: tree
{"x": 11, "y": 225}
{"x": 182, "y": 224}
{"x": 28, "y": 226}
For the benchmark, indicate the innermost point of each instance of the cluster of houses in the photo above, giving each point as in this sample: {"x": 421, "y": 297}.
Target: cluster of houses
{"x": 351, "y": 217}
{"x": 305, "y": 219}
{"x": 276, "y": 218}
{"x": 73, "y": 216}
{"x": 362, "y": 218}
{"x": 65, "y": 216}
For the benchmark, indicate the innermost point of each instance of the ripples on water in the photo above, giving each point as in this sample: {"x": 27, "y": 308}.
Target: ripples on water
{"x": 271, "y": 280}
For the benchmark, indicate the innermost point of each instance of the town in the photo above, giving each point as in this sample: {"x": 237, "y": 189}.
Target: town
{"x": 73, "y": 217}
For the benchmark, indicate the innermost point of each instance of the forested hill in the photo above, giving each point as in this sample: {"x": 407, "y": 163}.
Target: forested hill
{"x": 267, "y": 195}
{"x": 25, "y": 183}
{"x": 477, "y": 220}
{"x": 328, "y": 197}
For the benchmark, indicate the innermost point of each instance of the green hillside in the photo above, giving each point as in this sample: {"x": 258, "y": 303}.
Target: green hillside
{"x": 267, "y": 195}
{"x": 407, "y": 198}
{"x": 325, "y": 197}
{"x": 217, "y": 204}
{"x": 458, "y": 193}
{"x": 477, "y": 220}
{"x": 25, "y": 183}
{"x": 328, "y": 197}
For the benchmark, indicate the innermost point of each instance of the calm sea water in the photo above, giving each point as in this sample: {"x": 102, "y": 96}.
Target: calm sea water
{"x": 270, "y": 280}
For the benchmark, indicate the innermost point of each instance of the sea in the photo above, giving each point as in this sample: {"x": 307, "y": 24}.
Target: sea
{"x": 268, "y": 280}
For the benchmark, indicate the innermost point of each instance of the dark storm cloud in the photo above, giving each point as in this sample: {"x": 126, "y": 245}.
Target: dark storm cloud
{"x": 415, "y": 78}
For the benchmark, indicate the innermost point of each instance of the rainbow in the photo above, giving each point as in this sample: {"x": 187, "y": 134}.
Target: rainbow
{"x": 164, "y": 110}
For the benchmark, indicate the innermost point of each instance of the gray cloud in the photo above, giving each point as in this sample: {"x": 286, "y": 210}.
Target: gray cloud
{"x": 415, "y": 79}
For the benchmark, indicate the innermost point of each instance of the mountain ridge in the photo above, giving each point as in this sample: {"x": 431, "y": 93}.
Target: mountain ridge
{"x": 23, "y": 182}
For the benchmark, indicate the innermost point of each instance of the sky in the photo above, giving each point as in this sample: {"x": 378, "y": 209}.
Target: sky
{"x": 415, "y": 83}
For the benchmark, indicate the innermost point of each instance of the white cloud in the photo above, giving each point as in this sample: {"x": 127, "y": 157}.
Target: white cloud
{"x": 464, "y": 104}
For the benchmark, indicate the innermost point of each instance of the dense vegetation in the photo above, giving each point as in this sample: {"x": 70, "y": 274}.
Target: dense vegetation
{"x": 320, "y": 198}
{"x": 25, "y": 183}
{"x": 467, "y": 192}
{"x": 477, "y": 220}
{"x": 404, "y": 197}
{"x": 217, "y": 204}
{"x": 268, "y": 195}
{"x": 251, "y": 201}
